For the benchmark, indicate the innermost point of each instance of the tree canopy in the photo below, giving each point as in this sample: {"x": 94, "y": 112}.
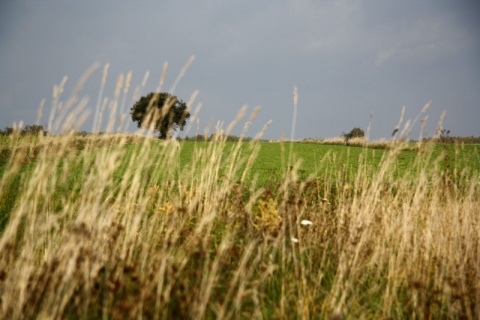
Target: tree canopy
{"x": 162, "y": 112}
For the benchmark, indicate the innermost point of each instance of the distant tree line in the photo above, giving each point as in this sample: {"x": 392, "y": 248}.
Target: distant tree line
{"x": 33, "y": 130}
{"x": 467, "y": 140}
{"x": 444, "y": 136}
{"x": 214, "y": 137}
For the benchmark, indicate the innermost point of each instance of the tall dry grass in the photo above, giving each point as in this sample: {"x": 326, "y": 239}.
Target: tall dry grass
{"x": 105, "y": 232}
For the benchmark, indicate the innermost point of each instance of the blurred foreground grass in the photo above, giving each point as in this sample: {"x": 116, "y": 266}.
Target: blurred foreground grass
{"x": 127, "y": 227}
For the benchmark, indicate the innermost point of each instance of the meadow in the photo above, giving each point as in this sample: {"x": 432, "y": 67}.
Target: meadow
{"x": 122, "y": 226}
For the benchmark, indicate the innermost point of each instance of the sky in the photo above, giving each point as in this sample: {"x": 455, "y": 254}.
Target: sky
{"x": 355, "y": 63}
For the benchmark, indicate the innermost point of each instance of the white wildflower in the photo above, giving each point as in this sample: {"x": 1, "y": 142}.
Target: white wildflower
{"x": 306, "y": 223}
{"x": 294, "y": 240}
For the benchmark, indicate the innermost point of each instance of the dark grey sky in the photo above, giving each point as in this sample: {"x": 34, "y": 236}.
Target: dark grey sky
{"x": 348, "y": 58}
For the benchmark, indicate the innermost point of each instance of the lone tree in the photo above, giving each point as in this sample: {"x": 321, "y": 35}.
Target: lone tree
{"x": 162, "y": 112}
{"x": 355, "y": 133}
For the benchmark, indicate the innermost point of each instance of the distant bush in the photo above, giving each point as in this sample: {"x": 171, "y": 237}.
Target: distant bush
{"x": 198, "y": 137}
{"x": 355, "y": 133}
{"x": 84, "y": 133}
{"x": 232, "y": 138}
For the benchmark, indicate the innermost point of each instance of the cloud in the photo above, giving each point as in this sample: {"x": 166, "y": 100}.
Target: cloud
{"x": 421, "y": 41}
{"x": 378, "y": 32}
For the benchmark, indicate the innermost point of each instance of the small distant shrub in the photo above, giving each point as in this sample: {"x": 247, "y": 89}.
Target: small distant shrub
{"x": 198, "y": 137}
{"x": 354, "y": 133}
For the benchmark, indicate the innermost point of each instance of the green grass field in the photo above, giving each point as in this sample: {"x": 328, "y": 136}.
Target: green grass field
{"x": 126, "y": 227}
